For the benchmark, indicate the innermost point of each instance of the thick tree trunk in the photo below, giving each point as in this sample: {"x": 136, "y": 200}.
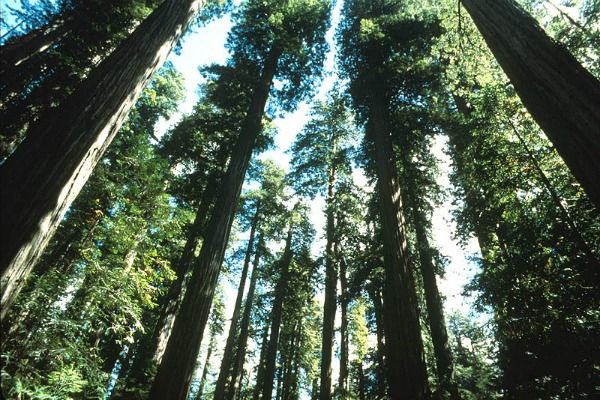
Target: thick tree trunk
{"x": 260, "y": 370}
{"x": 405, "y": 364}
{"x": 228, "y": 353}
{"x": 43, "y": 176}
{"x": 435, "y": 309}
{"x": 240, "y": 354}
{"x": 276, "y": 315}
{"x": 176, "y": 370}
{"x": 561, "y": 95}
{"x": 344, "y": 349}
{"x": 330, "y": 305}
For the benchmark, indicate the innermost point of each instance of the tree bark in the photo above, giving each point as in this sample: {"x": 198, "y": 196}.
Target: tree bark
{"x": 276, "y": 315}
{"x": 222, "y": 385}
{"x": 435, "y": 309}
{"x": 260, "y": 371}
{"x": 211, "y": 345}
{"x": 330, "y": 305}
{"x": 43, "y": 176}
{"x": 344, "y": 349}
{"x": 240, "y": 355}
{"x": 176, "y": 370}
{"x": 151, "y": 349}
{"x": 561, "y": 95}
{"x": 375, "y": 296}
{"x": 405, "y": 364}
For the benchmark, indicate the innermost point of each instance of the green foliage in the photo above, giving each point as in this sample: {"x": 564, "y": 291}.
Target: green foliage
{"x": 107, "y": 267}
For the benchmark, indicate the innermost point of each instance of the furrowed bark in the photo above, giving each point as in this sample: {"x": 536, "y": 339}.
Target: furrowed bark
{"x": 561, "y": 95}
{"x": 43, "y": 176}
{"x": 405, "y": 361}
{"x": 276, "y": 315}
{"x": 175, "y": 372}
{"x": 226, "y": 363}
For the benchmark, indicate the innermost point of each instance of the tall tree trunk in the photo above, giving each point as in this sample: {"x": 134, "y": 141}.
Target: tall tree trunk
{"x": 344, "y": 350}
{"x": 240, "y": 354}
{"x": 435, "y": 309}
{"x": 211, "y": 346}
{"x": 260, "y": 370}
{"x": 176, "y": 370}
{"x": 43, "y": 176}
{"x": 375, "y": 296}
{"x": 561, "y": 95}
{"x": 276, "y": 315}
{"x": 361, "y": 381}
{"x": 152, "y": 347}
{"x": 406, "y": 371}
{"x": 330, "y": 305}
{"x": 228, "y": 353}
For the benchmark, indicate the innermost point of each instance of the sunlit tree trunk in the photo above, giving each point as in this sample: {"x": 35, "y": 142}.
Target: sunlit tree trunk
{"x": 177, "y": 367}
{"x": 222, "y": 385}
{"x": 561, "y": 95}
{"x": 43, "y": 176}
{"x": 405, "y": 363}
{"x": 276, "y": 315}
{"x": 240, "y": 354}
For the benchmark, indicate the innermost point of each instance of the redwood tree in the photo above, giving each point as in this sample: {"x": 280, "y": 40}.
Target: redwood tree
{"x": 44, "y": 175}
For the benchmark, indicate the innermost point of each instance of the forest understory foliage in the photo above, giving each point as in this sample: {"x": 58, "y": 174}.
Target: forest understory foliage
{"x": 197, "y": 262}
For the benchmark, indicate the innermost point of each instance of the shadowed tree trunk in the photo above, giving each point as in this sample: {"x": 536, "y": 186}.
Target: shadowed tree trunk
{"x": 330, "y": 305}
{"x": 19, "y": 50}
{"x": 211, "y": 345}
{"x": 276, "y": 315}
{"x": 43, "y": 176}
{"x": 375, "y": 296}
{"x": 228, "y": 353}
{"x": 405, "y": 363}
{"x": 561, "y": 95}
{"x": 240, "y": 354}
{"x": 175, "y": 372}
{"x": 435, "y": 309}
{"x": 344, "y": 350}
{"x": 260, "y": 372}
{"x": 151, "y": 348}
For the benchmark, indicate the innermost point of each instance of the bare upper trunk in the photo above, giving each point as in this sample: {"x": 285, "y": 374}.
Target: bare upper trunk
{"x": 43, "y": 176}
{"x": 561, "y": 95}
